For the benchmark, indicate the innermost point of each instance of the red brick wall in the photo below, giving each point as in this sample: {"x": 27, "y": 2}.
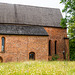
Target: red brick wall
{"x": 57, "y": 34}
{"x": 17, "y": 48}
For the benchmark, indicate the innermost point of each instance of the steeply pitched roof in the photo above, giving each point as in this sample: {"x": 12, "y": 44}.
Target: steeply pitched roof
{"x": 22, "y": 30}
{"x": 32, "y": 15}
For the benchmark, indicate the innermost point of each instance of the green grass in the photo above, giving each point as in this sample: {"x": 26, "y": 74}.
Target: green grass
{"x": 38, "y": 68}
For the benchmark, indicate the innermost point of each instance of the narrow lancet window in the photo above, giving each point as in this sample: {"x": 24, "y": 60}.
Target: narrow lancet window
{"x": 55, "y": 47}
{"x": 3, "y": 43}
{"x": 49, "y": 47}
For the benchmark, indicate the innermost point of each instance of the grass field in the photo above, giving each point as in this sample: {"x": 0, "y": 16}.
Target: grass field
{"x": 38, "y": 68}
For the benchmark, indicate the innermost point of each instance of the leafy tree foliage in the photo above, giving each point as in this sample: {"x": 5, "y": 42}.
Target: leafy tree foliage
{"x": 69, "y": 21}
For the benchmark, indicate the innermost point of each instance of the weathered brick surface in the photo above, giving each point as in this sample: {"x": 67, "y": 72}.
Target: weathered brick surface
{"x": 17, "y": 48}
{"x": 39, "y": 45}
{"x": 58, "y": 34}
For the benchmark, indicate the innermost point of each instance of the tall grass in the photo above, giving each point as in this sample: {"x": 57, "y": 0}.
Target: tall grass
{"x": 38, "y": 68}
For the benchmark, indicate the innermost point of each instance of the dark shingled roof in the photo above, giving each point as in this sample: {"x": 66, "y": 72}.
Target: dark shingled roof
{"x": 22, "y": 30}
{"x": 32, "y": 15}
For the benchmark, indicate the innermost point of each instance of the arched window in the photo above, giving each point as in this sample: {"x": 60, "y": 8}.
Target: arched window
{"x": 32, "y": 56}
{"x": 1, "y": 60}
{"x": 3, "y": 43}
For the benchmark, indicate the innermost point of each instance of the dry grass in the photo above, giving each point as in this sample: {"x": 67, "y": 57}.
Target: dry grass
{"x": 38, "y": 68}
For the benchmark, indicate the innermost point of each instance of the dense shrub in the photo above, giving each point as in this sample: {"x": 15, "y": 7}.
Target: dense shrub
{"x": 55, "y": 57}
{"x": 72, "y": 49}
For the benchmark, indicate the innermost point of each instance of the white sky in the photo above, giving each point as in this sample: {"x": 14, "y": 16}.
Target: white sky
{"x": 42, "y": 3}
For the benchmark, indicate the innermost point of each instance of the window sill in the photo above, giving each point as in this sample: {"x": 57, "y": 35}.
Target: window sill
{"x": 49, "y": 55}
{"x": 2, "y": 52}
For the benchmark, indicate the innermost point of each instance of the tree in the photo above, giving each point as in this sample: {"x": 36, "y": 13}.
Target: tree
{"x": 69, "y": 21}
{"x": 72, "y": 48}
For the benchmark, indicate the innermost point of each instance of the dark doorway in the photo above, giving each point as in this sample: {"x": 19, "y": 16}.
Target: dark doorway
{"x": 1, "y": 60}
{"x": 32, "y": 56}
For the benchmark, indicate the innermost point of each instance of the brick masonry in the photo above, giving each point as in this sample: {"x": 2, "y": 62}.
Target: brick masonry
{"x": 58, "y": 34}
{"x": 18, "y": 47}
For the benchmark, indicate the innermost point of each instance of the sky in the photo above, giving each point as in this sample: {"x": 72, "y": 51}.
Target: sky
{"x": 41, "y": 3}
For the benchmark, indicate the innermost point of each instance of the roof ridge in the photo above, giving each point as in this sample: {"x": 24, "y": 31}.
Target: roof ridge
{"x": 30, "y": 5}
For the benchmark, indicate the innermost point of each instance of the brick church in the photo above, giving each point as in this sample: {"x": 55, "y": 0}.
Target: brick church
{"x": 30, "y": 32}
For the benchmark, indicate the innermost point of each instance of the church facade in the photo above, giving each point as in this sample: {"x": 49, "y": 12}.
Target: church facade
{"x": 30, "y": 32}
